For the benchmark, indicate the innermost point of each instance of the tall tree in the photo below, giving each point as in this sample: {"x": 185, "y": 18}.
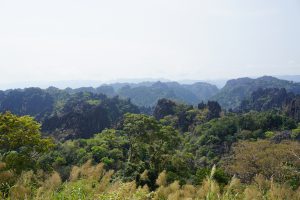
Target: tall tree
{"x": 21, "y": 142}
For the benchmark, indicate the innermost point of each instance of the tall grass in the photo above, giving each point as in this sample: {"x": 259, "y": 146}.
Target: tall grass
{"x": 90, "y": 182}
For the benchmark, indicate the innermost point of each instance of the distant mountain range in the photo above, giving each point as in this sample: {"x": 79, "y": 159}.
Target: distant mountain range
{"x": 146, "y": 93}
{"x": 220, "y": 83}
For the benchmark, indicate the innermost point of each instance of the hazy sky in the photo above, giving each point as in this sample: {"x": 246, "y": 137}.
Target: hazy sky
{"x": 173, "y": 39}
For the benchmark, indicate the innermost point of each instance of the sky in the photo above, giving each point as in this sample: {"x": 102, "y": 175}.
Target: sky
{"x": 105, "y": 40}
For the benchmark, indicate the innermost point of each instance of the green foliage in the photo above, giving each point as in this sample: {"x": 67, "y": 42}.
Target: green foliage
{"x": 109, "y": 147}
{"x": 67, "y": 114}
{"x": 266, "y": 99}
{"x": 296, "y": 134}
{"x": 219, "y": 175}
{"x": 93, "y": 102}
{"x": 180, "y": 116}
{"x": 151, "y": 144}
{"x": 85, "y": 114}
{"x": 269, "y": 134}
{"x": 180, "y": 141}
{"x": 31, "y": 101}
{"x": 21, "y": 142}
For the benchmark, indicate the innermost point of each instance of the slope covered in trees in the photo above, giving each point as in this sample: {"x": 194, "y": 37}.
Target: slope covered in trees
{"x": 102, "y": 148}
{"x": 31, "y": 101}
{"x": 157, "y": 155}
{"x": 267, "y": 99}
{"x": 236, "y": 90}
{"x": 272, "y": 99}
{"x": 65, "y": 115}
{"x": 85, "y": 114}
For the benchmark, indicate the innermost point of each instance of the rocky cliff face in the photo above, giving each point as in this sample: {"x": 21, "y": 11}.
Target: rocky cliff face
{"x": 293, "y": 108}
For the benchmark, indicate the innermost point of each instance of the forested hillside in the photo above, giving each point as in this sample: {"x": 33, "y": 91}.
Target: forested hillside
{"x": 272, "y": 99}
{"x": 65, "y": 115}
{"x": 147, "y": 94}
{"x": 236, "y": 90}
{"x": 85, "y": 114}
{"x": 31, "y": 101}
{"x": 81, "y": 144}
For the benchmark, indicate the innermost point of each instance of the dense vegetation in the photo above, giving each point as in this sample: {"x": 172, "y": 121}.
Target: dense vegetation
{"x": 235, "y": 91}
{"x": 266, "y": 99}
{"x": 65, "y": 115}
{"x": 84, "y": 114}
{"x": 146, "y": 94}
{"x": 86, "y": 145}
{"x": 189, "y": 94}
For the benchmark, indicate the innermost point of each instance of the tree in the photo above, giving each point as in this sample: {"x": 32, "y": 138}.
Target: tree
{"x": 139, "y": 129}
{"x": 164, "y": 107}
{"x": 278, "y": 161}
{"x": 201, "y": 106}
{"x": 214, "y": 109}
{"x": 21, "y": 142}
{"x": 151, "y": 145}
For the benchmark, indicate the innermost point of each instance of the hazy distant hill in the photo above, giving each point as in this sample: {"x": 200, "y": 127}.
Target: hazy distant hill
{"x": 37, "y": 102}
{"x": 148, "y": 93}
{"x": 202, "y": 90}
{"x": 236, "y": 90}
{"x": 119, "y": 83}
{"x": 294, "y": 78}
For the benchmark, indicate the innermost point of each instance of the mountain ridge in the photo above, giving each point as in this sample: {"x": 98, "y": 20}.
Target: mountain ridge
{"x": 236, "y": 90}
